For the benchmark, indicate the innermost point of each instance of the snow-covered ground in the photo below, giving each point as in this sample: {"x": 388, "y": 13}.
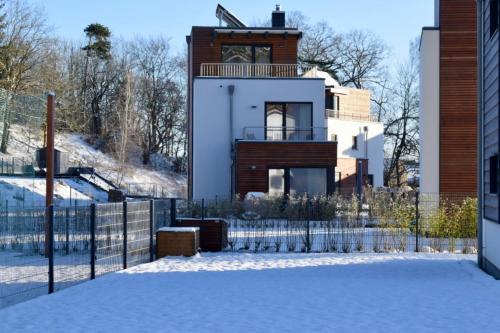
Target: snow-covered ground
{"x": 30, "y": 192}
{"x": 274, "y": 293}
{"x": 23, "y": 144}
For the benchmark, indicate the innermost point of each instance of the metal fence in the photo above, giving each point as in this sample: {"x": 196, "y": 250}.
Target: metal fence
{"x": 17, "y": 166}
{"x": 376, "y": 222}
{"x": 83, "y": 243}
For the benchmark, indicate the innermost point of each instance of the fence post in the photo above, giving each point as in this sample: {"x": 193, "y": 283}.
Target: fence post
{"x": 173, "y": 212}
{"x": 66, "y": 246}
{"x": 202, "y": 209}
{"x": 308, "y": 234}
{"x": 92, "y": 241}
{"x": 417, "y": 217}
{"x": 124, "y": 235}
{"x": 50, "y": 249}
{"x": 151, "y": 229}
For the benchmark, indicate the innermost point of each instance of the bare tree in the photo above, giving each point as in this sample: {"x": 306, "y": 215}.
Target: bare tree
{"x": 160, "y": 96}
{"x": 23, "y": 39}
{"x": 401, "y": 124}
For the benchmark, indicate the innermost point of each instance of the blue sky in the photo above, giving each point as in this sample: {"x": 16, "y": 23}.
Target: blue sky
{"x": 395, "y": 21}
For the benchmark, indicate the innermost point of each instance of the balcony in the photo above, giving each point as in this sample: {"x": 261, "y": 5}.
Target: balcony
{"x": 350, "y": 116}
{"x": 270, "y": 133}
{"x": 253, "y": 70}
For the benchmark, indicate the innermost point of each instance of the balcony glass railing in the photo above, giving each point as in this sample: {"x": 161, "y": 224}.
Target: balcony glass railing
{"x": 253, "y": 70}
{"x": 285, "y": 133}
{"x": 350, "y": 115}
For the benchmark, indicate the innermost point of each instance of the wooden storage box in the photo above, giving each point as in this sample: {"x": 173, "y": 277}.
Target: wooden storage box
{"x": 175, "y": 241}
{"x": 213, "y": 232}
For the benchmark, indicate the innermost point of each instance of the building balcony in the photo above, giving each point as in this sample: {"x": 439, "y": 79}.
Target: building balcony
{"x": 350, "y": 116}
{"x": 253, "y": 70}
{"x": 271, "y": 133}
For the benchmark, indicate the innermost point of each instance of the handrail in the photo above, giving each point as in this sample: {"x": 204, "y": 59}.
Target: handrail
{"x": 282, "y": 133}
{"x": 253, "y": 70}
{"x": 329, "y": 113}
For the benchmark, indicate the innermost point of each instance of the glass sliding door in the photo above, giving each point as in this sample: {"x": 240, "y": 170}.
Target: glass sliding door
{"x": 298, "y": 181}
{"x": 237, "y": 54}
{"x": 310, "y": 181}
{"x": 276, "y": 182}
{"x": 243, "y": 55}
{"x": 298, "y": 121}
{"x": 274, "y": 122}
{"x": 289, "y": 121}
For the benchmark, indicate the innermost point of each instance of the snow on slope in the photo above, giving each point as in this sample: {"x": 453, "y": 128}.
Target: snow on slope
{"x": 274, "y": 293}
{"x": 23, "y": 145}
{"x": 30, "y": 192}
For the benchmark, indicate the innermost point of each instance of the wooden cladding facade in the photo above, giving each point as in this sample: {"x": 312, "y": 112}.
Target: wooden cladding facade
{"x": 206, "y": 45}
{"x": 255, "y": 158}
{"x": 458, "y": 91}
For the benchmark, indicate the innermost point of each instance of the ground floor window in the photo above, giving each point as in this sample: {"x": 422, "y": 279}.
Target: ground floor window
{"x": 299, "y": 181}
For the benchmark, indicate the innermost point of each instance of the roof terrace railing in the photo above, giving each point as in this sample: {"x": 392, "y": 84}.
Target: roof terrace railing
{"x": 279, "y": 133}
{"x": 253, "y": 70}
{"x": 350, "y": 116}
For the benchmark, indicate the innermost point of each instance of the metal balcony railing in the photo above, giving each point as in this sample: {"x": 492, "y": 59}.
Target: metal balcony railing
{"x": 350, "y": 115}
{"x": 253, "y": 70}
{"x": 272, "y": 133}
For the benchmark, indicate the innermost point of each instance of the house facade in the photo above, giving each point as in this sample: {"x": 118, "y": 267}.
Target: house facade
{"x": 448, "y": 104}
{"x": 358, "y": 133}
{"x": 257, "y": 121}
{"x": 488, "y": 96}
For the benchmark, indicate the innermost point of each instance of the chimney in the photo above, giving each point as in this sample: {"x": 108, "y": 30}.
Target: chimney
{"x": 278, "y": 18}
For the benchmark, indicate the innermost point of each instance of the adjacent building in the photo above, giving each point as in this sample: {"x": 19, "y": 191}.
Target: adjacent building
{"x": 488, "y": 95}
{"x": 358, "y": 133}
{"x": 260, "y": 122}
{"x": 448, "y": 104}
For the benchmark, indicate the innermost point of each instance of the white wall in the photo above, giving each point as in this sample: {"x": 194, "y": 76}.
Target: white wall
{"x": 372, "y": 148}
{"x": 429, "y": 111}
{"x": 491, "y": 243}
{"x": 211, "y": 141}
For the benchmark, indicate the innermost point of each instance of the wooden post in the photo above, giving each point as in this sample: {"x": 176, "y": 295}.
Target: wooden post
{"x": 49, "y": 183}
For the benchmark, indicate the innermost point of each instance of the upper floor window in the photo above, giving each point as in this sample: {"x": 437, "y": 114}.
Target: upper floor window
{"x": 332, "y": 102}
{"x": 355, "y": 142}
{"x": 289, "y": 121}
{"x": 493, "y": 174}
{"x": 246, "y": 54}
{"x": 493, "y": 16}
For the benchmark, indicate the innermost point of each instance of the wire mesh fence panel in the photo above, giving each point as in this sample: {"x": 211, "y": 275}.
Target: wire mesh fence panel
{"x": 71, "y": 246}
{"x": 161, "y": 214}
{"x": 381, "y": 221}
{"x": 23, "y": 266}
{"x": 138, "y": 233}
{"x": 109, "y": 238}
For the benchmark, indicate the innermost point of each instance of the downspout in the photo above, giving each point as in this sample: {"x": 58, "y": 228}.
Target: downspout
{"x": 480, "y": 99}
{"x": 230, "y": 90}
{"x": 365, "y": 129}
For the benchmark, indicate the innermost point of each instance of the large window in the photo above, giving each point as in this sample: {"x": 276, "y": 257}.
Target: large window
{"x": 493, "y": 16}
{"x": 493, "y": 174}
{"x": 332, "y": 102}
{"x": 289, "y": 121}
{"x": 310, "y": 181}
{"x": 246, "y": 54}
{"x": 298, "y": 181}
{"x": 276, "y": 182}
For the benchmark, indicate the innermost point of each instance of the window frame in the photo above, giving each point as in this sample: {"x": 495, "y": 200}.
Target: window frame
{"x": 493, "y": 26}
{"x": 354, "y": 142}
{"x": 253, "y": 52}
{"x": 493, "y": 174}
{"x": 330, "y": 176}
{"x": 283, "y": 119}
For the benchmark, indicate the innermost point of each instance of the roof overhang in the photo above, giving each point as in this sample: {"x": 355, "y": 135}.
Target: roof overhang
{"x": 284, "y": 32}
